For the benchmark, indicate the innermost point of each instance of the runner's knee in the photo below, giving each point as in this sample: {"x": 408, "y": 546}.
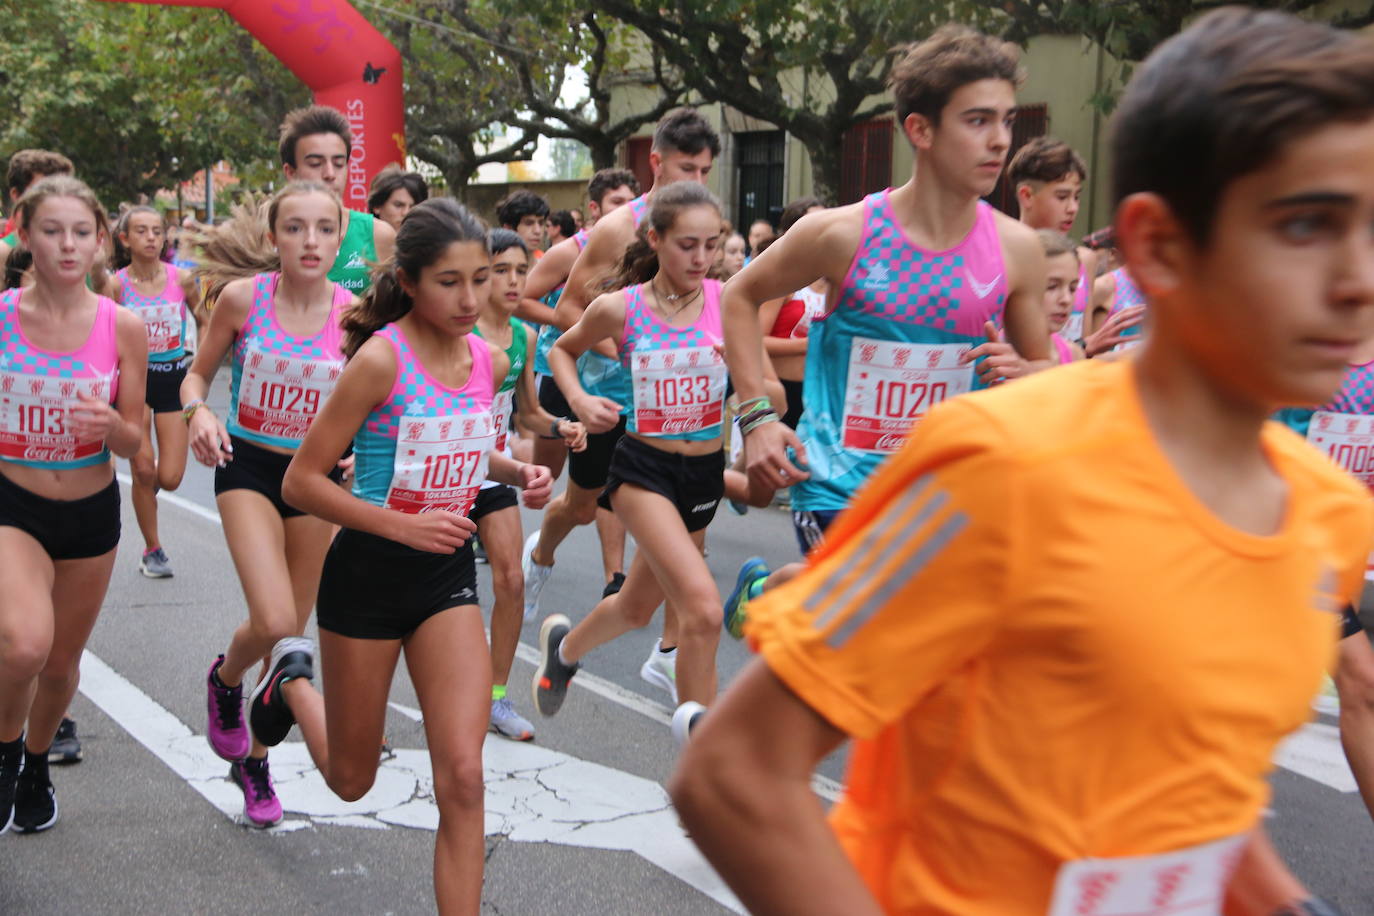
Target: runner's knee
{"x": 143, "y": 470}
{"x": 1355, "y": 677}
{"x": 23, "y": 653}
{"x": 458, "y": 783}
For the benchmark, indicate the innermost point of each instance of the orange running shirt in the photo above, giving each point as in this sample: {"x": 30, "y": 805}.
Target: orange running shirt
{"x": 1050, "y": 650}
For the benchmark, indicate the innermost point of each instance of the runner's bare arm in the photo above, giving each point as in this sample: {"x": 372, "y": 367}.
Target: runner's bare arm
{"x": 532, "y": 416}
{"x": 383, "y": 239}
{"x": 120, "y": 424}
{"x": 743, "y": 788}
{"x": 209, "y": 438}
{"x": 1262, "y": 884}
{"x": 1024, "y": 314}
{"x": 366, "y": 381}
{"x": 548, "y": 272}
{"x": 603, "y": 320}
{"x": 821, "y": 244}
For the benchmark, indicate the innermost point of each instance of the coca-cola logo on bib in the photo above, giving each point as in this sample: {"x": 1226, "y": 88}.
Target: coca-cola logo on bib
{"x": 891, "y": 442}
{"x": 42, "y": 453}
{"x": 678, "y": 426}
{"x": 283, "y": 430}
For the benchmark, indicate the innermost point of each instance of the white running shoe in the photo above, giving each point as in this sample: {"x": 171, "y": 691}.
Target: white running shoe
{"x": 686, "y": 718}
{"x": 660, "y": 669}
{"x": 536, "y": 576}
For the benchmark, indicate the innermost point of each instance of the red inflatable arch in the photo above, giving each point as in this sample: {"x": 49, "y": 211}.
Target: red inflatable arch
{"x": 346, "y": 62}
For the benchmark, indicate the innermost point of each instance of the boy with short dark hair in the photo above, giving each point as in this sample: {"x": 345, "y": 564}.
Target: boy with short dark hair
{"x": 523, "y": 213}
{"x": 1045, "y": 726}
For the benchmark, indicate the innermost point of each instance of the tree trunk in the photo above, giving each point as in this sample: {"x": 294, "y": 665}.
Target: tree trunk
{"x": 603, "y": 154}
{"x": 824, "y": 150}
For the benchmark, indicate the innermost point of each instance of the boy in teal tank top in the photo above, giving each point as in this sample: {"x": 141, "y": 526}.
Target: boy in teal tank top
{"x": 926, "y": 277}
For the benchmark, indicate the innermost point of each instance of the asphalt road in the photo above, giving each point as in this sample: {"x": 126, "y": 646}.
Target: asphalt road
{"x": 577, "y": 821}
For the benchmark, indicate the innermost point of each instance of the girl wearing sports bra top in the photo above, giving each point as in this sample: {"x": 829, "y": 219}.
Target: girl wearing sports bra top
{"x": 72, "y": 367}
{"x": 1061, "y": 286}
{"x": 279, "y": 313}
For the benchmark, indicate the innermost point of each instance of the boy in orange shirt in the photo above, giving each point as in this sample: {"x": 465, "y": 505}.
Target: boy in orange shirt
{"x": 1042, "y": 726}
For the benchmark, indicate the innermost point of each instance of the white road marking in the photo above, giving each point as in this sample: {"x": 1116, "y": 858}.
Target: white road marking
{"x": 1315, "y": 751}
{"x": 533, "y": 794}
{"x": 823, "y": 786}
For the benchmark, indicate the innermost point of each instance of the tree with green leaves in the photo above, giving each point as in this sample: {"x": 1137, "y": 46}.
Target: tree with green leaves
{"x": 139, "y": 97}
{"x": 459, "y": 92}
{"x": 814, "y": 69}
{"x": 539, "y": 40}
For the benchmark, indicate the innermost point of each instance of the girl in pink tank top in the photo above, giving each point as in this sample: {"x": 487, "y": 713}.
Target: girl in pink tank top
{"x": 416, "y": 397}
{"x": 1064, "y": 274}
{"x": 165, "y": 298}
{"x": 278, "y": 312}
{"x": 666, "y": 475}
{"x": 71, "y": 394}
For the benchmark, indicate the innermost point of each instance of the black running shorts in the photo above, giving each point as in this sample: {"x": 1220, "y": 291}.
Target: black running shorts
{"x": 66, "y": 529}
{"x": 374, "y": 588}
{"x": 163, "y": 391}
{"x": 692, "y": 483}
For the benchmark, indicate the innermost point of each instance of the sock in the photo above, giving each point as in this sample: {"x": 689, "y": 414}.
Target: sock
{"x": 256, "y": 763}
{"x": 563, "y": 659}
{"x": 498, "y": 691}
{"x": 36, "y": 765}
{"x": 10, "y": 750}
{"x": 214, "y": 678}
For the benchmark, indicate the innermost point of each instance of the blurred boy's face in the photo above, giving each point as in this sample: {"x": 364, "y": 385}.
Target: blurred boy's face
{"x": 1277, "y": 302}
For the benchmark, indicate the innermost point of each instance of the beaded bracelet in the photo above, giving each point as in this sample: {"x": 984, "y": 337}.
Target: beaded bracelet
{"x": 189, "y": 410}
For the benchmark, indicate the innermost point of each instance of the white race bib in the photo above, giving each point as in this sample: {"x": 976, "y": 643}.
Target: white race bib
{"x": 440, "y": 462}
{"x": 678, "y": 391}
{"x": 502, "y": 410}
{"x": 34, "y": 413}
{"x": 164, "y": 323}
{"x": 1348, "y": 438}
{"x": 1073, "y": 328}
{"x": 1189, "y": 882}
{"x": 890, "y": 386}
{"x": 280, "y": 396}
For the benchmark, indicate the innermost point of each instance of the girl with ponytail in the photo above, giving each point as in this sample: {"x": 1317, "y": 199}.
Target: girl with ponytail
{"x": 267, "y": 271}
{"x": 416, "y": 402}
{"x": 666, "y": 475}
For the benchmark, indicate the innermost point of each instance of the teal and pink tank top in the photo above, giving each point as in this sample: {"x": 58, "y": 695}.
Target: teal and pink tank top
{"x": 549, "y": 333}
{"x": 1063, "y": 353}
{"x": 1073, "y": 328}
{"x": 280, "y": 381}
{"x": 890, "y": 349}
{"x": 1127, "y": 295}
{"x": 1343, "y": 428}
{"x": 39, "y": 388}
{"x": 425, "y": 447}
{"x": 677, "y": 375}
{"x": 164, "y": 315}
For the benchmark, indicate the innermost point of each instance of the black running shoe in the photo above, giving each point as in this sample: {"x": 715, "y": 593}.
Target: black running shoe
{"x": 66, "y": 747}
{"x": 268, "y": 715}
{"x": 613, "y": 587}
{"x": 552, "y": 676}
{"x": 35, "y": 803}
{"x": 9, "y": 782}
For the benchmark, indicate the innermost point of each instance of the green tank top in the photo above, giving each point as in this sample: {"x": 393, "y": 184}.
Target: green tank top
{"x": 351, "y": 269}
{"x": 516, "y": 353}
